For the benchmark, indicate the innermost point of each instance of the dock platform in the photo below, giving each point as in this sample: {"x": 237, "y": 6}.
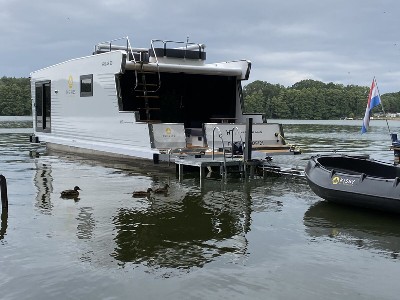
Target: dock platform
{"x": 204, "y": 163}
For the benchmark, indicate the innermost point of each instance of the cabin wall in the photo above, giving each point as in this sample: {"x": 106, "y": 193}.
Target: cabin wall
{"x": 92, "y": 118}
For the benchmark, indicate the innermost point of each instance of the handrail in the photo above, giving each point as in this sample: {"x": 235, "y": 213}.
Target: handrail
{"x": 129, "y": 48}
{"x": 130, "y": 53}
{"x": 164, "y": 42}
{"x": 223, "y": 147}
{"x": 186, "y": 47}
{"x": 158, "y": 65}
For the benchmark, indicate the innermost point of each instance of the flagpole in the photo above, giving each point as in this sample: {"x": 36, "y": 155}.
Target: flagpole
{"x": 387, "y": 123}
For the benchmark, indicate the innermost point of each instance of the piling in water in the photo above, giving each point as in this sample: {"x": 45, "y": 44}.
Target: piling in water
{"x": 3, "y": 189}
{"x": 3, "y": 224}
{"x": 248, "y": 139}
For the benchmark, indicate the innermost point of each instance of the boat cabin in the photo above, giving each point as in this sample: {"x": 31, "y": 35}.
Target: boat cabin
{"x": 138, "y": 102}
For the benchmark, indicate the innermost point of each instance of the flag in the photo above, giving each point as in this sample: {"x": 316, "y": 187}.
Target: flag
{"x": 373, "y": 100}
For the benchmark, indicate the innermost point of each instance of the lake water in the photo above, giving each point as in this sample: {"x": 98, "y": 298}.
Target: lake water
{"x": 262, "y": 238}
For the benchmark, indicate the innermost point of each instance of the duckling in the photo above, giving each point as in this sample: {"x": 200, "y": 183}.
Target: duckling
{"x": 162, "y": 190}
{"x": 71, "y": 193}
{"x": 142, "y": 193}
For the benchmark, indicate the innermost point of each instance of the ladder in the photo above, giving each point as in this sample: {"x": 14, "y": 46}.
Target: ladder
{"x": 147, "y": 84}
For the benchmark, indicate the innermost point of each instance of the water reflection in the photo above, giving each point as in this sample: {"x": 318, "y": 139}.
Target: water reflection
{"x": 183, "y": 233}
{"x": 361, "y": 228}
{"x": 188, "y": 227}
{"x": 86, "y": 223}
{"x": 44, "y": 184}
{"x": 4, "y": 224}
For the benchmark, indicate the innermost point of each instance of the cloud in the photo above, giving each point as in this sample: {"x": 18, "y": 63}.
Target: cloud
{"x": 339, "y": 41}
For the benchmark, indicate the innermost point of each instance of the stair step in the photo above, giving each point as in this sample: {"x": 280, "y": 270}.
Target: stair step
{"x": 147, "y": 96}
{"x": 147, "y": 84}
{"x": 150, "y": 121}
{"x": 149, "y": 91}
{"x": 146, "y": 72}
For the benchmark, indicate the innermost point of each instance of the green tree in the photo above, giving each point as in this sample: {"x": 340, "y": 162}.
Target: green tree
{"x": 15, "y": 96}
{"x": 311, "y": 99}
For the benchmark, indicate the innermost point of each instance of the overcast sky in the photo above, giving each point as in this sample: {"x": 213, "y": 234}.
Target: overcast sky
{"x": 340, "y": 41}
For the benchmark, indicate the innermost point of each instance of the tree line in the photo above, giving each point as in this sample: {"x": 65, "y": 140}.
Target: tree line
{"x": 15, "y": 97}
{"x": 306, "y": 99}
{"x": 313, "y": 100}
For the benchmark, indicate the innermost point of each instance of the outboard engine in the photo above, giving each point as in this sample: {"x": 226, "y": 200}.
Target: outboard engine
{"x": 396, "y": 148}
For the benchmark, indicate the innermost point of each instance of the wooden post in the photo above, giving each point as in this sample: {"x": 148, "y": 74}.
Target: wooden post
{"x": 4, "y": 198}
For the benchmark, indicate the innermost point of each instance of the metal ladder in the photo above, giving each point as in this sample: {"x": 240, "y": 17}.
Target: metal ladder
{"x": 144, "y": 85}
{"x": 147, "y": 88}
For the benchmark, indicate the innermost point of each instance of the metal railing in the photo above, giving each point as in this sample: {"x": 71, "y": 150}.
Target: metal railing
{"x": 188, "y": 46}
{"x": 130, "y": 51}
{"x": 224, "y": 172}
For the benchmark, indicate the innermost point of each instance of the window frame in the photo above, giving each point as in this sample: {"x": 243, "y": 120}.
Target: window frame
{"x": 81, "y": 79}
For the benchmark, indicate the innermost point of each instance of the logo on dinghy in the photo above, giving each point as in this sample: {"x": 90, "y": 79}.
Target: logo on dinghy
{"x": 344, "y": 181}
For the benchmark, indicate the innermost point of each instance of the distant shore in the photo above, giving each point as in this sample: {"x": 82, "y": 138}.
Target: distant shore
{"x": 29, "y": 118}
{"x": 15, "y": 118}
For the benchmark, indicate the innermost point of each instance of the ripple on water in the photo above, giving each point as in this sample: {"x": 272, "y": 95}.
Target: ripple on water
{"x": 256, "y": 238}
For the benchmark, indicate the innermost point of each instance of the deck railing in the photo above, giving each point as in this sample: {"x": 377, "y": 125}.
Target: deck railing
{"x": 224, "y": 172}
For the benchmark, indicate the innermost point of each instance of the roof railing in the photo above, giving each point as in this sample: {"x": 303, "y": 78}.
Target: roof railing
{"x": 187, "y": 46}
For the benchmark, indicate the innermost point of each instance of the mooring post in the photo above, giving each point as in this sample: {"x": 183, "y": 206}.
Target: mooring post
{"x": 4, "y": 222}
{"x": 248, "y": 142}
{"x": 3, "y": 189}
{"x": 248, "y": 139}
{"x": 180, "y": 172}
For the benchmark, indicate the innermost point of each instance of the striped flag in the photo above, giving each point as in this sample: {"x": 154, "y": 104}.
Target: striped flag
{"x": 373, "y": 100}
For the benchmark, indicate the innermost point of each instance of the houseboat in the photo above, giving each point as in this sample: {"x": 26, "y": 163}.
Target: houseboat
{"x": 154, "y": 103}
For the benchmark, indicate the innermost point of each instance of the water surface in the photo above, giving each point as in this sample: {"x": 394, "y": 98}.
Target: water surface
{"x": 264, "y": 238}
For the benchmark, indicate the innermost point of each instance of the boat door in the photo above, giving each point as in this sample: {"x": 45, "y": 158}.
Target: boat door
{"x": 43, "y": 106}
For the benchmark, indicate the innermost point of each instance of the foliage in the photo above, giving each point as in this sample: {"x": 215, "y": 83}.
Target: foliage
{"x": 15, "y": 97}
{"x": 306, "y": 99}
{"x": 311, "y": 99}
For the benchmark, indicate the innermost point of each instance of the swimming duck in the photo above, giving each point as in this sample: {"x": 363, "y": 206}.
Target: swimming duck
{"x": 71, "y": 193}
{"x": 162, "y": 190}
{"x": 142, "y": 193}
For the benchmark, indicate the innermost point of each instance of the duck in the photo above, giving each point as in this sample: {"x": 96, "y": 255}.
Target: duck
{"x": 71, "y": 193}
{"x": 142, "y": 193}
{"x": 162, "y": 190}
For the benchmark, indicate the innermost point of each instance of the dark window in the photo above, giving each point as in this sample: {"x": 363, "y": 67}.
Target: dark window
{"x": 87, "y": 85}
{"x": 43, "y": 106}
